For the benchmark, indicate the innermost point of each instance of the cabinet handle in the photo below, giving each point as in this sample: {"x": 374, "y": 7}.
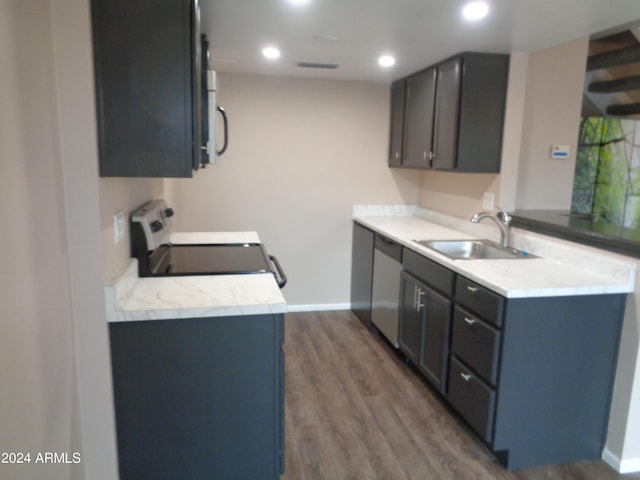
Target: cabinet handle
{"x": 472, "y": 289}
{"x": 420, "y": 305}
{"x": 470, "y": 321}
{"x": 466, "y": 376}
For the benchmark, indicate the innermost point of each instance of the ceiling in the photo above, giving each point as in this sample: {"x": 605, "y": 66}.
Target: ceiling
{"x": 354, "y": 33}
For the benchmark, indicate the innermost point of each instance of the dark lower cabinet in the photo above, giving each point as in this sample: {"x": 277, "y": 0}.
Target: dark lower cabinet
{"x": 425, "y": 323}
{"x": 554, "y": 385}
{"x": 434, "y": 356}
{"x": 411, "y": 319}
{"x": 362, "y": 272}
{"x": 475, "y": 400}
{"x": 199, "y": 398}
{"x": 532, "y": 377}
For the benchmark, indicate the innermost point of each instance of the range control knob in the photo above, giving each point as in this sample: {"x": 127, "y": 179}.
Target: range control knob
{"x": 156, "y": 226}
{"x": 168, "y": 212}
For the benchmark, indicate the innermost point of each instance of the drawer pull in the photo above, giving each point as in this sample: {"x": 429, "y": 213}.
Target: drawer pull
{"x": 466, "y": 376}
{"x": 472, "y": 289}
{"x": 470, "y": 321}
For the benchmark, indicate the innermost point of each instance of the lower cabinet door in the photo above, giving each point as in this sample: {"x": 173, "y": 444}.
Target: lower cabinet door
{"x": 410, "y": 329}
{"x": 199, "y": 398}
{"x": 472, "y": 398}
{"x": 434, "y": 355}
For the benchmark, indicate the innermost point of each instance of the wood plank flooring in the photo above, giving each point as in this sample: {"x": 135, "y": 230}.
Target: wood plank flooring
{"x": 355, "y": 410}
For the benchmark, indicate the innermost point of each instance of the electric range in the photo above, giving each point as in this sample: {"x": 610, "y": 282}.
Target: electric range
{"x": 151, "y": 227}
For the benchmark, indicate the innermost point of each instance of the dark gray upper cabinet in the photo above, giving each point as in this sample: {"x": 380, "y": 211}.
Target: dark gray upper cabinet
{"x": 147, "y": 70}
{"x": 396, "y": 135}
{"x": 454, "y": 114}
{"x": 421, "y": 90}
{"x": 446, "y": 115}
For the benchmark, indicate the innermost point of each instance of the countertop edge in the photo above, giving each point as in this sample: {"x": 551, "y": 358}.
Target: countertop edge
{"x": 622, "y": 283}
{"x": 131, "y": 298}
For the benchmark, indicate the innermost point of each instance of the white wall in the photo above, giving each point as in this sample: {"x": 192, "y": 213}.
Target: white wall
{"x": 121, "y": 194}
{"x": 39, "y": 401}
{"x": 302, "y": 152}
{"x": 555, "y": 80}
{"x": 78, "y": 144}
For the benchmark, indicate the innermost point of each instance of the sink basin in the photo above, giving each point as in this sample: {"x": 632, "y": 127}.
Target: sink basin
{"x": 474, "y": 249}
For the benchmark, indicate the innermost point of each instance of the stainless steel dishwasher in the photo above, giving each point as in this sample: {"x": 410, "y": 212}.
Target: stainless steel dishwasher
{"x": 385, "y": 295}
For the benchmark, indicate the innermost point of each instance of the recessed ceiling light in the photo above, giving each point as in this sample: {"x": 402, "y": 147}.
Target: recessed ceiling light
{"x": 475, "y": 10}
{"x": 271, "y": 53}
{"x": 298, "y": 2}
{"x": 386, "y": 61}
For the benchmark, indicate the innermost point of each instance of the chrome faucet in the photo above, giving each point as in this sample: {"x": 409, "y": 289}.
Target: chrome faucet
{"x": 502, "y": 219}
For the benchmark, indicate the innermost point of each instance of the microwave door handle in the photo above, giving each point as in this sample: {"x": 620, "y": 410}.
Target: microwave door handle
{"x": 225, "y": 124}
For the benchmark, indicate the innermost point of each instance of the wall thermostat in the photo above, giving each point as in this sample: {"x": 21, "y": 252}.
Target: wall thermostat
{"x": 560, "y": 151}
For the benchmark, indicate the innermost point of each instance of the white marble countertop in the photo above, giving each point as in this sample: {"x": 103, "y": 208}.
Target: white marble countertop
{"x": 559, "y": 270}
{"x": 131, "y": 298}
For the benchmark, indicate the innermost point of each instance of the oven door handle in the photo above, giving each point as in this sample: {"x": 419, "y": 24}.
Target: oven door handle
{"x": 283, "y": 278}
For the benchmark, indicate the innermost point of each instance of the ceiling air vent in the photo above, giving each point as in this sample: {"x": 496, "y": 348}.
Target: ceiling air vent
{"x": 324, "y": 66}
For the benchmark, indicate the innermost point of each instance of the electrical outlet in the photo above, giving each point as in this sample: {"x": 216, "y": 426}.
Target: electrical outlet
{"x": 488, "y": 201}
{"x": 118, "y": 226}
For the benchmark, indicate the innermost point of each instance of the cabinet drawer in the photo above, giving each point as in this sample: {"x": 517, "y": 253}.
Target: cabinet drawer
{"x": 388, "y": 246}
{"x": 472, "y": 398}
{"x": 430, "y": 272}
{"x": 477, "y": 343}
{"x": 480, "y": 300}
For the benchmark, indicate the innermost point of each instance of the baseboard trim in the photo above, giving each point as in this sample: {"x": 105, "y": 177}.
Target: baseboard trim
{"x": 631, "y": 465}
{"x": 320, "y": 307}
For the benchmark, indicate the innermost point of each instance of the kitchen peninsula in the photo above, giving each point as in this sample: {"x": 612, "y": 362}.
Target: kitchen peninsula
{"x": 524, "y": 350}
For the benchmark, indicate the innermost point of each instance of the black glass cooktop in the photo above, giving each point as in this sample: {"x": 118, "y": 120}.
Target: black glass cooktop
{"x": 218, "y": 259}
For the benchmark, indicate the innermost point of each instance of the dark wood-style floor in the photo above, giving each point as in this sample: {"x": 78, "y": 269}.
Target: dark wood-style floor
{"x": 355, "y": 410}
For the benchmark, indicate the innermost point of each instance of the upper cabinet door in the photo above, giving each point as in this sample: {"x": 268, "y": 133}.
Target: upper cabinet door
{"x": 396, "y": 135}
{"x": 147, "y": 70}
{"x": 483, "y": 98}
{"x": 454, "y": 114}
{"x": 421, "y": 90}
{"x": 445, "y": 134}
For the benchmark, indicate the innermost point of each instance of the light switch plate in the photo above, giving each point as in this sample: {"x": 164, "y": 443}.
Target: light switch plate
{"x": 118, "y": 226}
{"x": 488, "y": 200}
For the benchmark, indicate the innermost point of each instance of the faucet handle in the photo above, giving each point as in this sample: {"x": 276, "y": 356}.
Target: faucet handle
{"x": 506, "y": 218}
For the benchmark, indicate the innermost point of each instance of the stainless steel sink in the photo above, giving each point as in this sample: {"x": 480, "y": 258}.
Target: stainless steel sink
{"x": 474, "y": 249}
